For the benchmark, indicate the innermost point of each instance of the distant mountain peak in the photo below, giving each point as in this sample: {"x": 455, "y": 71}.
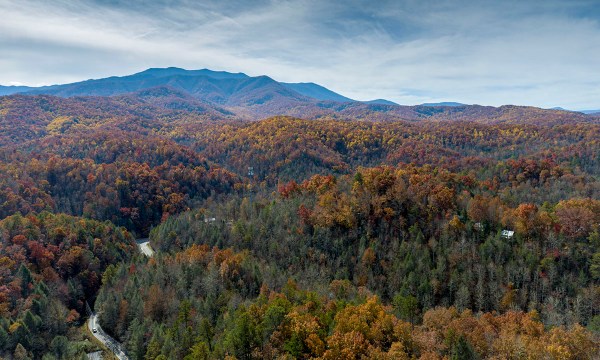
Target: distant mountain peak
{"x": 171, "y": 71}
{"x": 444, "y": 103}
{"x": 380, "y": 102}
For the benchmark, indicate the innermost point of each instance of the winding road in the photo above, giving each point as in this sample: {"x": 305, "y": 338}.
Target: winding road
{"x": 104, "y": 338}
{"x": 94, "y": 326}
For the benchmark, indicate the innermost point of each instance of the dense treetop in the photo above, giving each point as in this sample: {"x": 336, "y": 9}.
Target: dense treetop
{"x": 366, "y": 230}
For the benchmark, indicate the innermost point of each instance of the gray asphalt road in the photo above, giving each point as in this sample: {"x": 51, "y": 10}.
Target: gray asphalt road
{"x": 104, "y": 338}
{"x": 96, "y": 330}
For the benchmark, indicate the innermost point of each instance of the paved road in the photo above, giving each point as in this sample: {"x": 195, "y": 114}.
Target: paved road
{"x": 112, "y": 344}
{"x": 144, "y": 246}
{"x": 104, "y": 338}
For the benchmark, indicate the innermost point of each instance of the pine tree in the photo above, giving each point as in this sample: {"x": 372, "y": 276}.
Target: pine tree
{"x": 26, "y": 279}
{"x": 32, "y": 322}
{"x": 20, "y": 353}
{"x": 198, "y": 352}
{"x": 153, "y": 350}
{"x": 406, "y": 306}
{"x": 136, "y": 340}
{"x": 462, "y": 350}
{"x": 3, "y": 338}
{"x": 60, "y": 347}
{"x": 241, "y": 338}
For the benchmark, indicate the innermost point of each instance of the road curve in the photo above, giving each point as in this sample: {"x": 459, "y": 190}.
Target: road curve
{"x": 144, "y": 246}
{"x": 94, "y": 326}
{"x": 104, "y": 338}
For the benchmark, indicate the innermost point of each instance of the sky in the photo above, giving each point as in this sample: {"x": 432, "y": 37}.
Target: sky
{"x": 543, "y": 53}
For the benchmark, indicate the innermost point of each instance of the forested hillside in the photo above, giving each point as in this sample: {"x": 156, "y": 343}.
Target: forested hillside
{"x": 426, "y": 242}
{"x": 50, "y": 265}
{"x": 363, "y": 231}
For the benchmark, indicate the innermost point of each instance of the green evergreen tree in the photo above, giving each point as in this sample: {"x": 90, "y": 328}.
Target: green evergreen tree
{"x": 153, "y": 350}
{"x": 60, "y": 347}
{"x": 595, "y": 266}
{"x": 26, "y": 279}
{"x": 21, "y": 353}
{"x": 3, "y": 338}
{"x": 242, "y": 337}
{"x": 462, "y": 350}
{"x": 199, "y": 351}
{"x": 32, "y": 322}
{"x": 406, "y": 306}
{"x": 136, "y": 341}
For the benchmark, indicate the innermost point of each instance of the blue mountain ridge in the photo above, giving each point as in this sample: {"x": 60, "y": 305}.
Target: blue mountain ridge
{"x": 221, "y": 89}
{"x": 216, "y": 86}
{"x": 9, "y": 90}
{"x": 446, "y": 103}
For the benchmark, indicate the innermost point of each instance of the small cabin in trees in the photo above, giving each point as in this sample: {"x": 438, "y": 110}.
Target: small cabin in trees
{"x": 507, "y": 234}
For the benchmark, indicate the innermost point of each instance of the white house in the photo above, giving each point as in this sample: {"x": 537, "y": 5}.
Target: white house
{"x": 507, "y": 234}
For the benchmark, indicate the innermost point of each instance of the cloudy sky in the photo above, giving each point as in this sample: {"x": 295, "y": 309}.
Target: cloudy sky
{"x": 544, "y": 53}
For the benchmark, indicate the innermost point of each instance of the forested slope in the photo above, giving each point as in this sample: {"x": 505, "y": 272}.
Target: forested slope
{"x": 50, "y": 265}
{"x": 331, "y": 252}
{"x": 366, "y": 229}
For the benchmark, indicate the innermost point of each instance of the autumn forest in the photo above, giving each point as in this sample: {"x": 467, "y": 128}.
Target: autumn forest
{"x": 287, "y": 227}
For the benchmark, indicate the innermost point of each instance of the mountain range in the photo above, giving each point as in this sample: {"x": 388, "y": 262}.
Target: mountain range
{"x": 588, "y": 112}
{"x": 238, "y": 95}
{"x": 216, "y": 86}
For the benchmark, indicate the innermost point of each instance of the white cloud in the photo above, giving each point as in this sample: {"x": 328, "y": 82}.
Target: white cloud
{"x": 409, "y": 52}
